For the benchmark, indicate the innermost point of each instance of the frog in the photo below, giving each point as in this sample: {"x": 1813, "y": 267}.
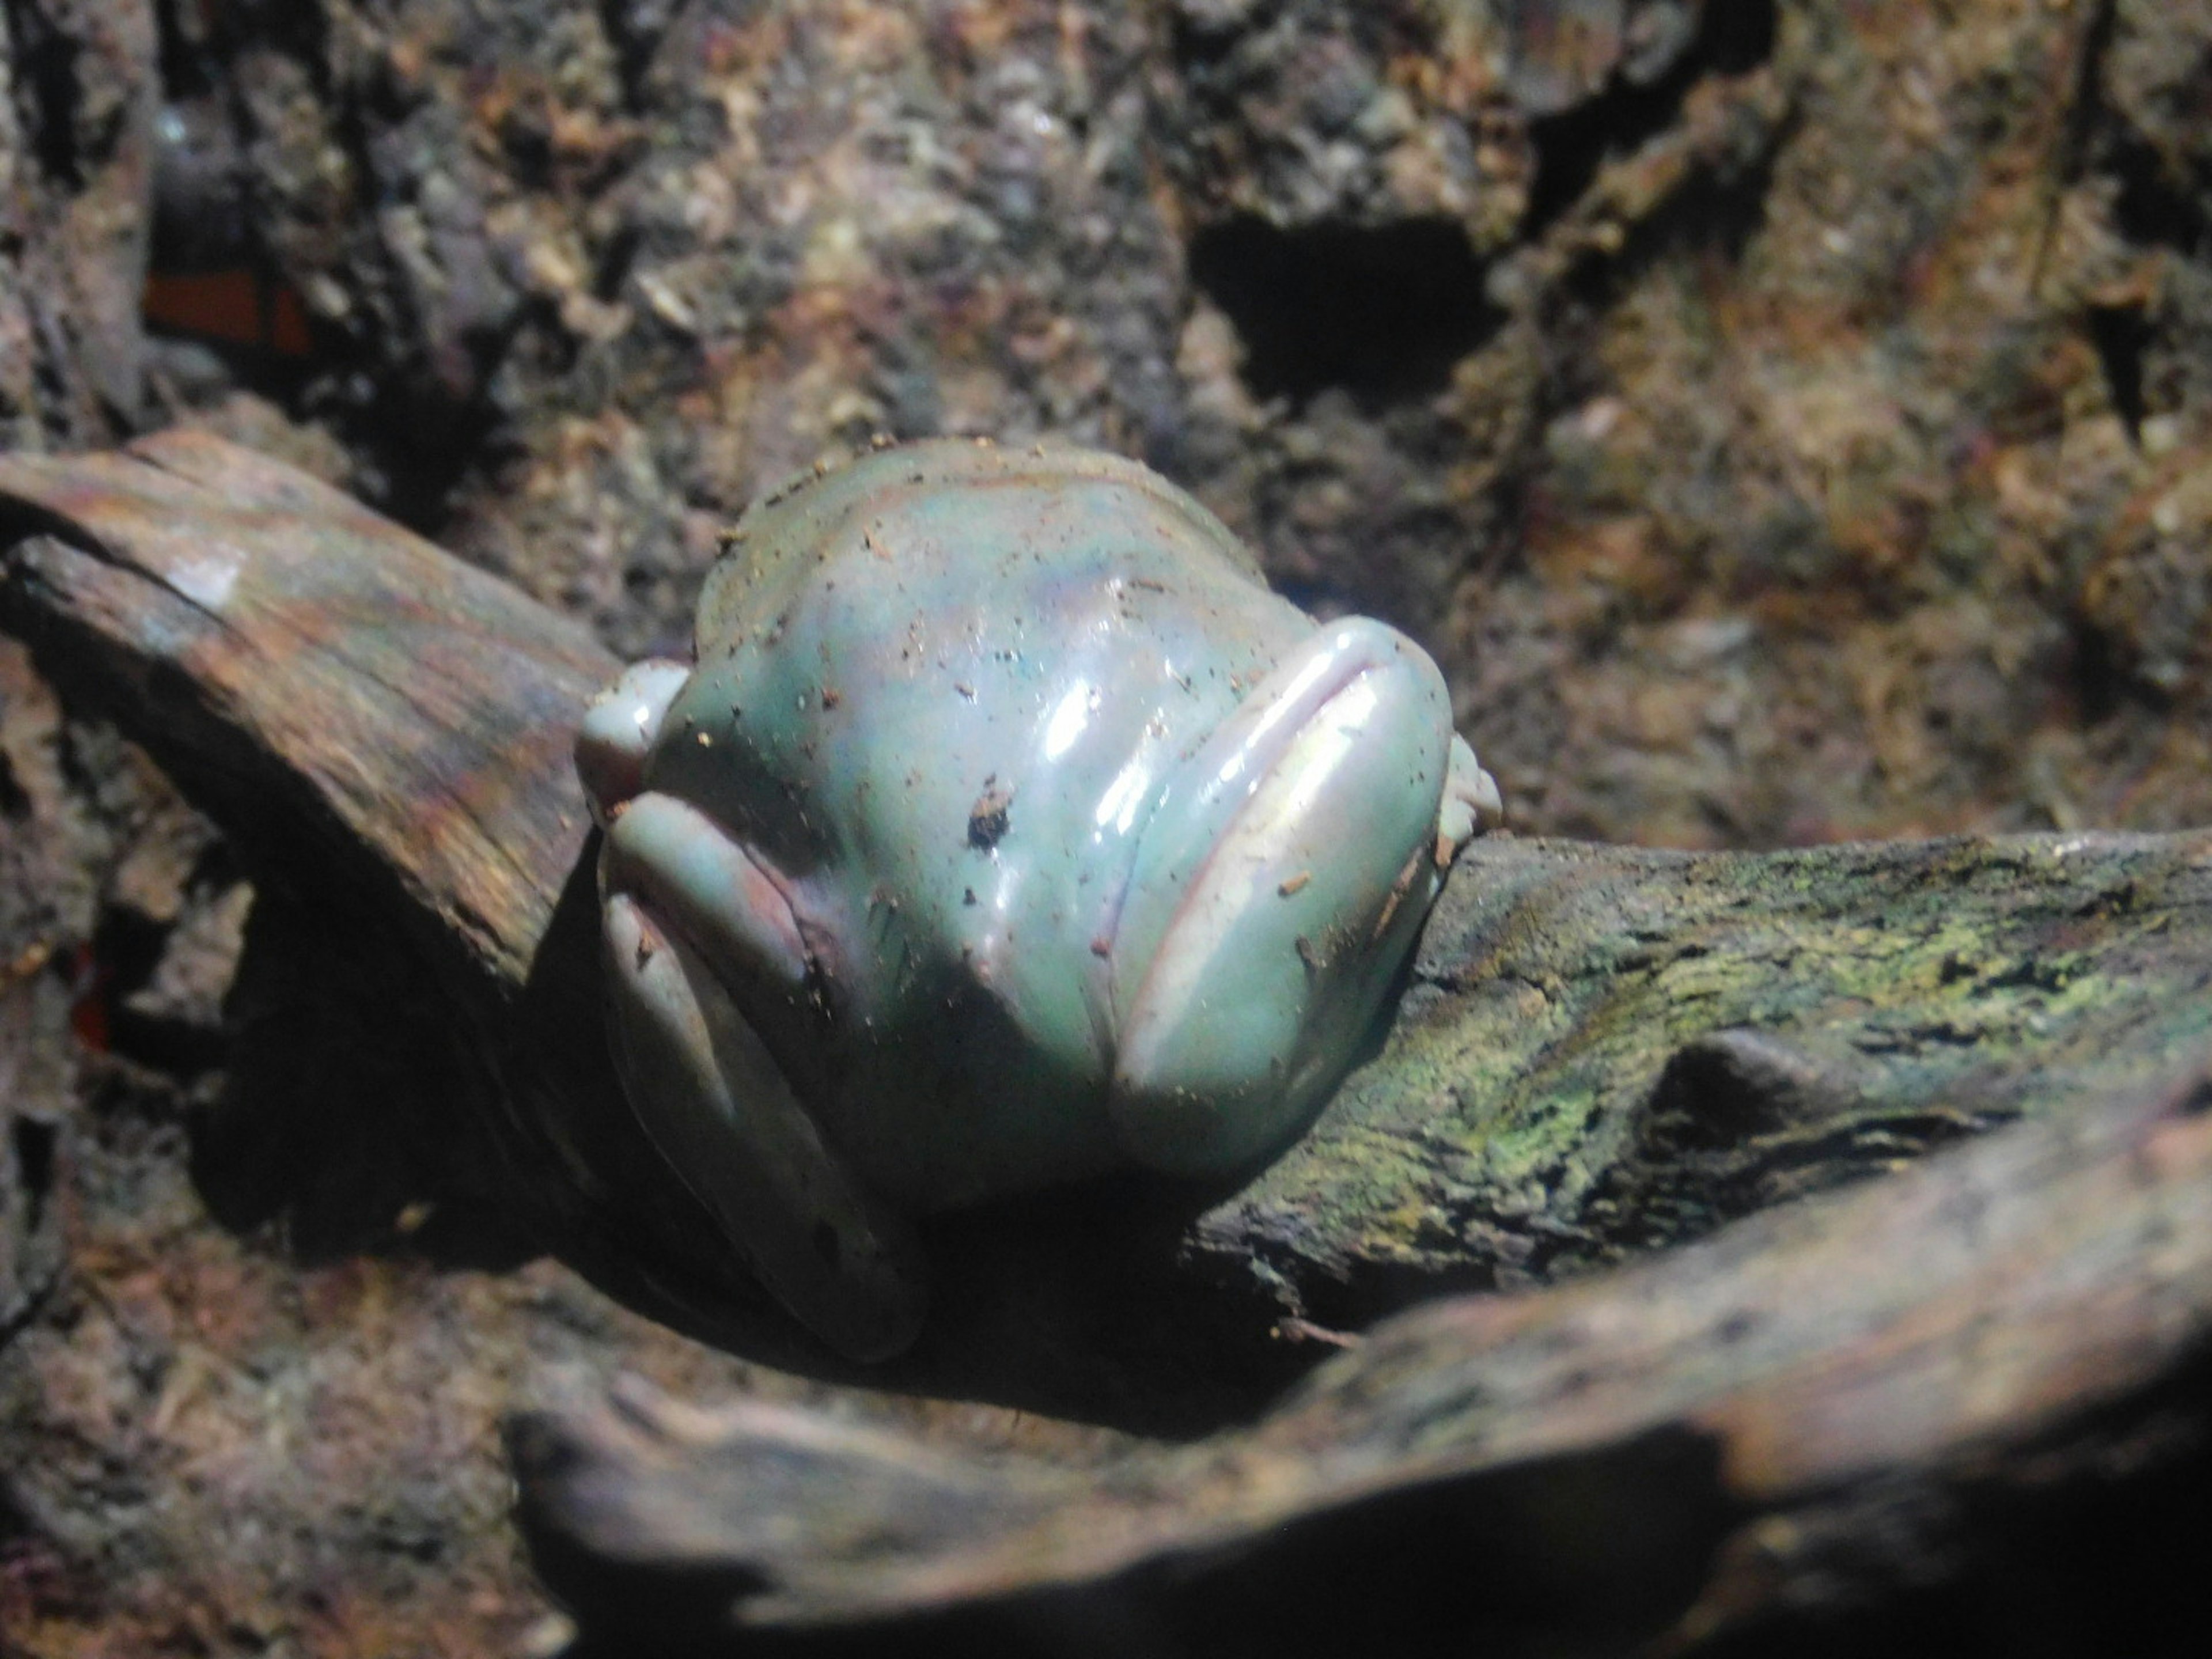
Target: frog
{"x": 1005, "y": 828}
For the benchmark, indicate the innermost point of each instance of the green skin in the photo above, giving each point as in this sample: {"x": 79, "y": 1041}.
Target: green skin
{"x": 1007, "y": 832}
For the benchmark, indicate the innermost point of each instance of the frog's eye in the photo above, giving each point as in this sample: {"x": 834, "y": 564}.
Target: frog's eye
{"x": 1276, "y": 892}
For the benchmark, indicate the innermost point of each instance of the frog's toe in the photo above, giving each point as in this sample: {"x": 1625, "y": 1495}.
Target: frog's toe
{"x": 619, "y": 727}
{"x": 1471, "y": 803}
{"x": 717, "y": 1106}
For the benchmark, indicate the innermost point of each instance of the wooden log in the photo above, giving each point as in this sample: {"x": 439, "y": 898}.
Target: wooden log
{"x": 314, "y": 669}
{"x": 385, "y": 733}
{"x": 1601, "y": 1049}
{"x": 1835, "y": 1401}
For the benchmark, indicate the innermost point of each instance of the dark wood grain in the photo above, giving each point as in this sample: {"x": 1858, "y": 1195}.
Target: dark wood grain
{"x": 1837, "y": 1402}
{"x": 274, "y": 637}
{"x": 385, "y": 731}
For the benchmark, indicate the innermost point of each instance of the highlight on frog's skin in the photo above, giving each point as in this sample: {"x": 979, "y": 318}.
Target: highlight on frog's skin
{"x": 1006, "y": 831}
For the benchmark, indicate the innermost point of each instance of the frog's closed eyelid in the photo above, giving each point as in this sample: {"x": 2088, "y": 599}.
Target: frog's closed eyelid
{"x": 1294, "y": 910}
{"x": 728, "y": 899}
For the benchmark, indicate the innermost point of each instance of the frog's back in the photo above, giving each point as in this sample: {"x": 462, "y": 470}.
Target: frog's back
{"x": 889, "y": 642}
{"x": 914, "y": 509}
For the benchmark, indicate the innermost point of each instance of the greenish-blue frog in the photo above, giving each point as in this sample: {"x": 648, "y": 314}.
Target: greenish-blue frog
{"x": 1007, "y": 829}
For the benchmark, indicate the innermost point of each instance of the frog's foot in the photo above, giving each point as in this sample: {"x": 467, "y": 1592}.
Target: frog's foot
{"x": 1470, "y": 805}
{"x": 719, "y": 1108}
{"x": 619, "y": 727}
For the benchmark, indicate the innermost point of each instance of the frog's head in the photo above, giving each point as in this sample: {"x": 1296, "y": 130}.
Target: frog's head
{"x": 1278, "y": 889}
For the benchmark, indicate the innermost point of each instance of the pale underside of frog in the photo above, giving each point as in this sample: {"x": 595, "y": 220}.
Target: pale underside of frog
{"x": 1007, "y": 830}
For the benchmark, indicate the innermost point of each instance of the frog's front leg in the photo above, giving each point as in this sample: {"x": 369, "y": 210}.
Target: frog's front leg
{"x": 688, "y": 916}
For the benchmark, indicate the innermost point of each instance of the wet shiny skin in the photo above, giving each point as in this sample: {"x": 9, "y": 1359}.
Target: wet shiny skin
{"x": 1007, "y": 830}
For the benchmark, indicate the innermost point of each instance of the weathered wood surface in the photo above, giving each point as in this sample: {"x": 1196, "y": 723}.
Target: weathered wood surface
{"x": 386, "y": 732}
{"x": 1833, "y": 1401}
{"x": 319, "y": 671}
{"x": 1602, "y": 1049}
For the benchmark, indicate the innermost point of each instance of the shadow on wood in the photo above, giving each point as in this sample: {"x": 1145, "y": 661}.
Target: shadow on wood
{"x": 1957, "y": 1371}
